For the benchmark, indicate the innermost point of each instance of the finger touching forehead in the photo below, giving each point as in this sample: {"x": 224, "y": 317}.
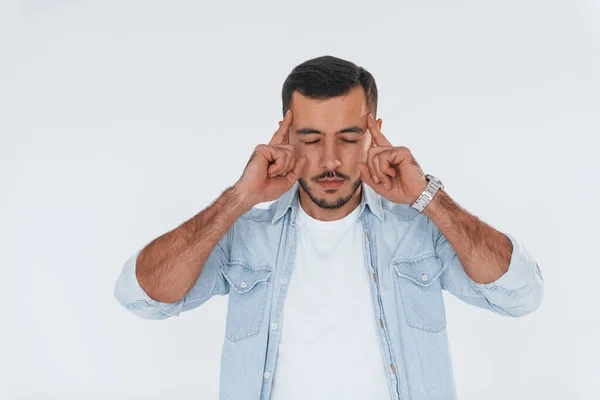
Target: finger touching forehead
{"x": 329, "y": 115}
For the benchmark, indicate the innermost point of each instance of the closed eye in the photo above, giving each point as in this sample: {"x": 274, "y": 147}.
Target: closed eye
{"x": 343, "y": 140}
{"x": 309, "y": 143}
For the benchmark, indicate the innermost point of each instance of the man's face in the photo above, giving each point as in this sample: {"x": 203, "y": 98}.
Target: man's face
{"x": 333, "y": 136}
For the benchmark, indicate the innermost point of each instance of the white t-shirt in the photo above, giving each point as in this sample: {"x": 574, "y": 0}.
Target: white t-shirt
{"x": 329, "y": 346}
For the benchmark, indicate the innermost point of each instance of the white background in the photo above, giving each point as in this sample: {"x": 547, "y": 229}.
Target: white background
{"x": 119, "y": 120}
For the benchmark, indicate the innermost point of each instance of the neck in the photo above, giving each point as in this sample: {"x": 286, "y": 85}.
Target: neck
{"x": 329, "y": 214}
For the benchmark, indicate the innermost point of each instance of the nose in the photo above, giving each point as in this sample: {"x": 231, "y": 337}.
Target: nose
{"x": 330, "y": 159}
{"x": 332, "y": 164}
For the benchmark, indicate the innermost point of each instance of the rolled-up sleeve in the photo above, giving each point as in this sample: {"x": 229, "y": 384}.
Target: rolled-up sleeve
{"x": 211, "y": 282}
{"x": 517, "y": 292}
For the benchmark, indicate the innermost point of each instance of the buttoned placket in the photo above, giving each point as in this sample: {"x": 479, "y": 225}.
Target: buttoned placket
{"x": 279, "y": 295}
{"x": 371, "y": 260}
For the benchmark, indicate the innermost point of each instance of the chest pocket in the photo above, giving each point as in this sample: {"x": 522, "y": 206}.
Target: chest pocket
{"x": 247, "y": 298}
{"x": 421, "y": 291}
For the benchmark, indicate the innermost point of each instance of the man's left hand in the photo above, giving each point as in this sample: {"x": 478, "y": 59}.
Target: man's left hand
{"x": 391, "y": 171}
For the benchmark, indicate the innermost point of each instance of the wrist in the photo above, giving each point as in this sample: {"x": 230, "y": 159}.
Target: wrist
{"x": 243, "y": 197}
{"x": 434, "y": 204}
{"x": 433, "y": 186}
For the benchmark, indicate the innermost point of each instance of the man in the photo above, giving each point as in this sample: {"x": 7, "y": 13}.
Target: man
{"x": 335, "y": 290}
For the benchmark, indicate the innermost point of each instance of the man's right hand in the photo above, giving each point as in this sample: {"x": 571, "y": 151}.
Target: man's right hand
{"x": 272, "y": 169}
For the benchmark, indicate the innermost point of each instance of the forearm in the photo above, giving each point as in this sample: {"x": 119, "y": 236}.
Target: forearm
{"x": 168, "y": 267}
{"x": 483, "y": 251}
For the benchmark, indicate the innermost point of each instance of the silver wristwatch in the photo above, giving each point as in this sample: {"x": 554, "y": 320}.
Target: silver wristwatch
{"x": 432, "y": 187}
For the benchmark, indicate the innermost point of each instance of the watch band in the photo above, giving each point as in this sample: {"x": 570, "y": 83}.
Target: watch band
{"x": 432, "y": 188}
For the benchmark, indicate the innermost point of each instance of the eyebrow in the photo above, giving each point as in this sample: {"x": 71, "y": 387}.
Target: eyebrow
{"x": 308, "y": 131}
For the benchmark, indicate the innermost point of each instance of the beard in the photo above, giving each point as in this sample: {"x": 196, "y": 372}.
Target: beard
{"x": 323, "y": 203}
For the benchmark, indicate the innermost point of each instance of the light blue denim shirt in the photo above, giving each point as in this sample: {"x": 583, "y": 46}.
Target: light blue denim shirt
{"x": 408, "y": 262}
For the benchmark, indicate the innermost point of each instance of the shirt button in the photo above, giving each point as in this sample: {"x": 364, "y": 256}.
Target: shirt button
{"x": 243, "y": 284}
{"x": 424, "y": 277}
{"x": 284, "y": 281}
{"x": 267, "y": 375}
{"x": 292, "y": 241}
{"x": 274, "y": 326}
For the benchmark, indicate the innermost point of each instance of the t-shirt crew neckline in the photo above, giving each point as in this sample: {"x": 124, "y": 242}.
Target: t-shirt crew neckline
{"x": 307, "y": 222}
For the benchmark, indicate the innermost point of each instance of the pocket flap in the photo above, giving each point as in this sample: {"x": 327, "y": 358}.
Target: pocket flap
{"x": 422, "y": 270}
{"x": 243, "y": 277}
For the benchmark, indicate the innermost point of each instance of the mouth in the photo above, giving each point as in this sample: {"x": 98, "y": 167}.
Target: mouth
{"x": 330, "y": 183}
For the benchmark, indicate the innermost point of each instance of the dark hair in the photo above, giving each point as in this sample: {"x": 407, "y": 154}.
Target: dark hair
{"x": 326, "y": 77}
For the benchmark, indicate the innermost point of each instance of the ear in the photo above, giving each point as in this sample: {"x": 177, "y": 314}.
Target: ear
{"x": 379, "y": 122}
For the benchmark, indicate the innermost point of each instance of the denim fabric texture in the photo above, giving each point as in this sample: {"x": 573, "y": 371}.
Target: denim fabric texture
{"x": 408, "y": 263}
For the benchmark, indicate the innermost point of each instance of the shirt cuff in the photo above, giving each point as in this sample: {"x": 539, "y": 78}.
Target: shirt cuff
{"x": 521, "y": 271}
{"x": 131, "y": 295}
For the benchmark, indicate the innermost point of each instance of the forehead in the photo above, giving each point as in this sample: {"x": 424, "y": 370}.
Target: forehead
{"x": 329, "y": 113}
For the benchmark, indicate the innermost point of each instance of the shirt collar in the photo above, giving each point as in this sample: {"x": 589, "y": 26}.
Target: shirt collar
{"x": 291, "y": 200}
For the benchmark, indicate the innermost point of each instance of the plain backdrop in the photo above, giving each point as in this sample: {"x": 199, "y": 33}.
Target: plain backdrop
{"x": 119, "y": 120}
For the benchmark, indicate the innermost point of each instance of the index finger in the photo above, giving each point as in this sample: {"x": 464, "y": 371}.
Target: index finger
{"x": 281, "y": 135}
{"x": 378, "y": 137}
